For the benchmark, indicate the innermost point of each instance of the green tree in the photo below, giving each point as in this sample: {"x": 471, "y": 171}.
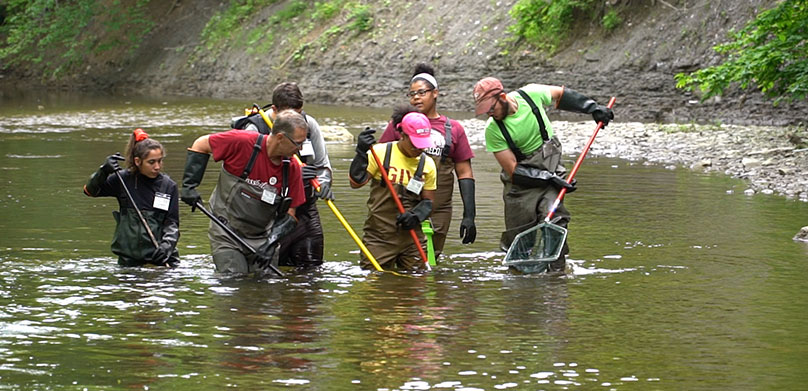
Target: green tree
{"x": 770, "y": 52}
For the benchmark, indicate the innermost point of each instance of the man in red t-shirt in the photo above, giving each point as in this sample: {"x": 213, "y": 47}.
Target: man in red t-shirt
{"x": 257, "y": 191}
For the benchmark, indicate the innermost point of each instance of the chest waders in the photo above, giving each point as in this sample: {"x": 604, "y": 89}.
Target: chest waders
{"x": 238, "y": 204}
{"x": 131, "y": 242}
{"x": 392, "y": 246}
{"x": 441, "y": 215}
{"x": 527, "y": 207}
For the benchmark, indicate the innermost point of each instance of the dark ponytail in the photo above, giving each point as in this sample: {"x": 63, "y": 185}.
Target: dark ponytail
{"x": 399, "y": 112}
{"x": 140, "y": 145}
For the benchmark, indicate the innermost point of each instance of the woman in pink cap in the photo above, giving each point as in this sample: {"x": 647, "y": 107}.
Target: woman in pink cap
{"x": 452, "y": 155}
{"x": 413, "y": 176}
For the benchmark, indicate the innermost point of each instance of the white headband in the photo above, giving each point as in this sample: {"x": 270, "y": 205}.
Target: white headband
{"x": 427, "y": 77}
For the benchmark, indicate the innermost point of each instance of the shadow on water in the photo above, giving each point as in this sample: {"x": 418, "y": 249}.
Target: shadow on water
{"x": 679, "y": 281}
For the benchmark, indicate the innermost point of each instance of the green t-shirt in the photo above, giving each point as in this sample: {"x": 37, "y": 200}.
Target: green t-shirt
{"x": 522, "y": 125}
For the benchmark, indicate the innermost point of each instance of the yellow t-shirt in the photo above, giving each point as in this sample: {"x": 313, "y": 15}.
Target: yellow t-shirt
{"x": 402, "y": 168}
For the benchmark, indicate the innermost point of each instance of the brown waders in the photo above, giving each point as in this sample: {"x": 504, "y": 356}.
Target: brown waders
{"x": 238, "y": 204}
{"x": 392, "y": 246}
{"x": 442, "y": 204}
{"x": 527, "y": 207}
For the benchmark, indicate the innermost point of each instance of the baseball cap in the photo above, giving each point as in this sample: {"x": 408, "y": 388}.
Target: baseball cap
{"x": 417, "y": 127}
{"x": 485, "y": 93}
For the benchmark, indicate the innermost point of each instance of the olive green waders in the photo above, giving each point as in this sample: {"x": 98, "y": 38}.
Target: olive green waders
{"x": 238, "y": 204}
{"x": 527, "y": 207}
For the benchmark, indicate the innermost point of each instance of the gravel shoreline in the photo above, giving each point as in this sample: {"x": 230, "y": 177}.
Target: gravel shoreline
{"x": 772, "y": 160}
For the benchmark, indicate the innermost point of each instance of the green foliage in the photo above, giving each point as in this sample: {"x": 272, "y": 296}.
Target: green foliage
{"x": 57, "y": 36}
{"x": 544, "y": 23}
{"x": 611, "y": 20}
{"x": 770, "y": 53}
{"x": 222, "y": 25}
{"x": 360, "y": 19}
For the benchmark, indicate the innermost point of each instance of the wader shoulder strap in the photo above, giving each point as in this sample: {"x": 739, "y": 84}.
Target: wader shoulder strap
{"x": 419, "y": 172}
{"x": 259, "y": 143}
{"x": 285, "y": 178}
{"x": 511, "y": 145}
{"x": 387, "y": 154}
{"x": 448, "y": 137}
{"x": 537, "y": 113}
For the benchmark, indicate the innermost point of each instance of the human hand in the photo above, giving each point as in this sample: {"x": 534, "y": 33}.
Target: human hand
{"x": 468, "y": 230}
{"x": 325, "y": 192}
{"x": 603, "y": 114}
{"x": 365, "y": 140}
{"x": 111, "y": 164}
{"x": 161, "y": 254}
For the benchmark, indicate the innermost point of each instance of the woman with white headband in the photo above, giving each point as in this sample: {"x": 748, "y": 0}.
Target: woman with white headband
{"x": 452, "y": 154}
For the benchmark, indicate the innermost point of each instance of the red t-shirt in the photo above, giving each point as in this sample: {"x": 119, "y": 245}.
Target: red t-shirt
{"x": 235, "y": 148}
{"x": 460, "y": 150}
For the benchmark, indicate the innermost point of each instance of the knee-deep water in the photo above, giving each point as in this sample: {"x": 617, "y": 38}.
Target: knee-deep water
{"x": 679, "y": 281}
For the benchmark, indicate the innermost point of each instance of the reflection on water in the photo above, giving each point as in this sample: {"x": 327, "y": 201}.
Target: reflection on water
{"x": 675, "y": 284}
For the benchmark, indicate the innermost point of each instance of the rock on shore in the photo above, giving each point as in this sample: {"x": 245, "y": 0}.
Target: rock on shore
{"x": 773, "y": 160}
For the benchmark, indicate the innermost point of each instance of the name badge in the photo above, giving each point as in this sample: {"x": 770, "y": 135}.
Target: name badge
{"x": 307, "y": 149}
{"x": 161, "y": 201}
{"x": 269, "y": 196}
{"x": 415, "y": 186}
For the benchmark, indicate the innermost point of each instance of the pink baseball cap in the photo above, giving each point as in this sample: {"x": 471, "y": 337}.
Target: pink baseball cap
{"x": 485, "y": 94}
{"x": 417, "y": 127}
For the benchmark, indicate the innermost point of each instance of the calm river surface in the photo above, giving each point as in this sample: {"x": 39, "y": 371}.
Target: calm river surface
{"x": 680, "y": 282}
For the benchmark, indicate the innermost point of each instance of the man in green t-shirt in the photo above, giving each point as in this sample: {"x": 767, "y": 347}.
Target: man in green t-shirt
{"x": 521, "y": 137}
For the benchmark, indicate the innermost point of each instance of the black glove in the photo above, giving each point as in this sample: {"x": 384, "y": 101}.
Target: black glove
{"x": 195, "y": 165}
{"x": 526, "y": 176}
{"x": 93, "y": 186}
{"x": 111, "y": 164}
{"x": 412, "y": 218}
{"x": 468, "y": 230}
{"x": 603, "y": 114}
{"x": 309, "y": 172}
{"x": 358, "y": 171}
{"x": 282, "y": 227}
{"x": 325, "y": 192}
{"x": 573, "y": 101}
{"x": 161, "y": 254}
{"x": 365, "y": 140}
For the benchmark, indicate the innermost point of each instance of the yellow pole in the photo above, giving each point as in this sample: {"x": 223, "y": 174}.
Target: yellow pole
{"x": 316, "y": 184}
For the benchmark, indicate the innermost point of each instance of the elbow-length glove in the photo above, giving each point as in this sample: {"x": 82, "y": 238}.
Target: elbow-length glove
{"x": 359, "y": 164}
{"x": 468, "y": 230}
{"x": 412, "y": 218}
{"x": 526, "y": 176}
{"x": 573, "y": 101}
{"x": 195, "y": 165}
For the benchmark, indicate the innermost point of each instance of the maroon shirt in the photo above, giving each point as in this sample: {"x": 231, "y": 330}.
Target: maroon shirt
{"x": 235, "y": 148}
{"x": 460, "y": 150}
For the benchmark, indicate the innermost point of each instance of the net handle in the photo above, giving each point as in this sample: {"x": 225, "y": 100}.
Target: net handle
{"x": 577, "y": 166}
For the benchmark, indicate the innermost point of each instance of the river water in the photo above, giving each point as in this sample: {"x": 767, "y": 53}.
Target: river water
{"x": 679, "y": 281}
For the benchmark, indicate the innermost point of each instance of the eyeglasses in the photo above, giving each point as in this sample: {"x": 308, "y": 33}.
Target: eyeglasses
{"x": 490, "y": 111}
{"x": 299, "y": 145}
{"x": 420, "y": 93}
